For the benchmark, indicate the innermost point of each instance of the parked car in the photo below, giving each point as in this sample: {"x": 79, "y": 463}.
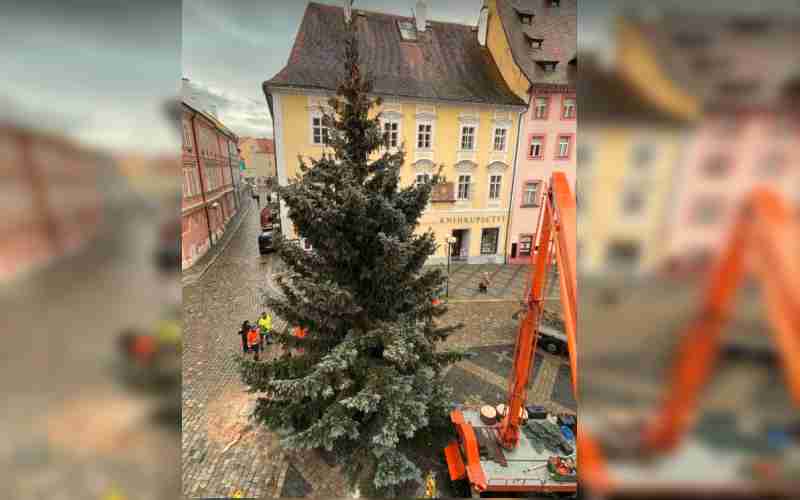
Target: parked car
{"x": 168, "y": 253}
{"x": 265, "y": 242}
{"x": 553, "y": 340}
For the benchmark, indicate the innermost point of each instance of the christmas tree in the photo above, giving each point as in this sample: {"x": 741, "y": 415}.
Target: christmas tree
{"x": 367, "y": 374}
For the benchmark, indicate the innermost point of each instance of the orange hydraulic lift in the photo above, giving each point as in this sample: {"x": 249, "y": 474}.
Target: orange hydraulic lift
{"x": 517, "y": 466}
{"x": 765, "y": 241}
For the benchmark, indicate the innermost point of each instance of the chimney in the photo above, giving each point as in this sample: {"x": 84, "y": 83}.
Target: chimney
{"x": 421, "y": 15}
{"x": 348, "y": 10}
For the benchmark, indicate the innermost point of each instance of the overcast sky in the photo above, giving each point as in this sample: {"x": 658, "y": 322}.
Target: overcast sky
{"x": 100, "y": 70}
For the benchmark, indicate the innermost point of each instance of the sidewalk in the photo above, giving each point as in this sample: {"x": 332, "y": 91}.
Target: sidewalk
{"x": 508, "y": 282}
{"x": 194, "y": 273}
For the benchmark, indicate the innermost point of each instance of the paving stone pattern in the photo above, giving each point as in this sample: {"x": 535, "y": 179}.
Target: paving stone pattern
{"x": 225, "y": 452}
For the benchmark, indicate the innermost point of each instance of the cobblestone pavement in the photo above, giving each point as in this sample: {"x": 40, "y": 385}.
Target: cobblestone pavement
{"x": 69, "y": 430}
{"x": 224, "y": 452}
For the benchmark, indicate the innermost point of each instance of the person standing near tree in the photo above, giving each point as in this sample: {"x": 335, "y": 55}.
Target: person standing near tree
{"x": 254, "y": 342}
{"x": 243, "y": 335}
{"x": 265, "y": 325}
{"x": 483, "y": 286}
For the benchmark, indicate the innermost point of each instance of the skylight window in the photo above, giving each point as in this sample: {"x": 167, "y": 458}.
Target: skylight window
{"x": 525, "y": 16}
{"x": 547, "y": 66}
{"x": 535, "y": 43}
{"x": 407, "y": 30}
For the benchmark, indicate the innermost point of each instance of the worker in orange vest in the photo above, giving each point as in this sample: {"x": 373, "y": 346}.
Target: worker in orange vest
{"x": 254, "y": 341}
{"x": 299, "y": 333}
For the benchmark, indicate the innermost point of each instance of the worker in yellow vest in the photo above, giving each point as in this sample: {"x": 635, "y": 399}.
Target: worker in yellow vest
{"x": 265, "y": 325}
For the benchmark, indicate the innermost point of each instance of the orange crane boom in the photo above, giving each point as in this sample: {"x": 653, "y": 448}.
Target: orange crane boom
{"x": 765, "y": 237}
{"x": 556, "y": 239}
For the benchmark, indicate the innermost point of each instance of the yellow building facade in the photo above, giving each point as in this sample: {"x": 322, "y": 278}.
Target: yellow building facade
{"x": 444, "y": 102}
{"x": 629, "y": 165}
{"x": 480, "y": 178}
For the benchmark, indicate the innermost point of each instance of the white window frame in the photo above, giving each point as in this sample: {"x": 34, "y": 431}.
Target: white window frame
{"x": 423, "y": 175}
{"x": 537, "y": 192}
{"x": 499, "y": 187}
{"x": 417, "y": 135}
{"x": 396, "y": 122}
{"x": 546, "y": 107}
{"x": 505, "y": 139}
{"x": 540, "y": 141}
{"x": 474, "y": 137}
{"x": 468, "y": 185}
{"x": 573, "y": 108}
{"x": 559, "y": 143}
{"x": 314, "y": 115}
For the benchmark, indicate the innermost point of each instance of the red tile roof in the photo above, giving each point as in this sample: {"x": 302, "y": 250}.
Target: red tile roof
{"x": 445, "y": 63}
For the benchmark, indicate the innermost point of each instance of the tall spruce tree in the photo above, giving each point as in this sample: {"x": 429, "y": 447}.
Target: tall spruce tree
{"x": 369, "y": 374}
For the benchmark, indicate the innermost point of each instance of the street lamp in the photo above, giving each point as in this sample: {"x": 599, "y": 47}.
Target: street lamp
{"x": 450, "y": 242}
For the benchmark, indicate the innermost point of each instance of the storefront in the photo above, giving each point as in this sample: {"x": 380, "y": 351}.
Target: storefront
{"x": 478, "y": 238}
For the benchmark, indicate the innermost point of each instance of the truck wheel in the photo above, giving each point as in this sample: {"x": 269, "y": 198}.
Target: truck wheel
{"x": 551, "y": 347}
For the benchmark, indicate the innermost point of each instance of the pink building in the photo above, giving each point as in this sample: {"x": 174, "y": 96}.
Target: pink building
{"x": 743, "y": 73}
{"x": 729, "y": 155}
{"x": 546, "y": 54}
{"x": 210, "y": 159}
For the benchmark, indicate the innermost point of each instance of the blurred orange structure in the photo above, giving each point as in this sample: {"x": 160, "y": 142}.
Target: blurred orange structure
{"x": 765, "y": 241}
{"x": 520, "y": 462}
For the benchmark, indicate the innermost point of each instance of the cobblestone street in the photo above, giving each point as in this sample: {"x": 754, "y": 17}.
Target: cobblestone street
{"x": 224, "y": 452}
{"x": 70, "y": 427}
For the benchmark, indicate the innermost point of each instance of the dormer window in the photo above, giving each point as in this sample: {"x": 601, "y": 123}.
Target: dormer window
{"x": 554, "y": 3}
{"x": 535, "y": 43}
{"x": 547, "y": 66}
{"x": 525, "y": 16}
{"x": 408, "y": 32}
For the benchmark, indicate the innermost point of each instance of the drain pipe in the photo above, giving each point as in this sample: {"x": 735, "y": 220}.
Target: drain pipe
{"x": 513, "y": 185}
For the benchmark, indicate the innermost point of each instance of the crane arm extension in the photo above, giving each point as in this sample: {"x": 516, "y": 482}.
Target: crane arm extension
{"x": 566, "y": 234}
{"x": 779, "y": 270}
{"x": 557, "y": 234}
{"x": 698, "y": 347}
{"x": 767, "y": 222}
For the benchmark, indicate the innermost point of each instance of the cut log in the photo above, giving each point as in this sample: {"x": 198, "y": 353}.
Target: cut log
{"x": 501, "y": 412}
{"x": 488, "y": 415}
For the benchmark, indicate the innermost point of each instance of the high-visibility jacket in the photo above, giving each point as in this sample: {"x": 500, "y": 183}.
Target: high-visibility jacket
{"x": 265, "y": 323}
{"x": 253, "y": 338}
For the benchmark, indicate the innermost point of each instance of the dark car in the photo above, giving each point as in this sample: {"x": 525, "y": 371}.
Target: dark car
{"x": 265, "y": 244}
{"x": 552, "y": 340}
{"x": 168, "y": 253}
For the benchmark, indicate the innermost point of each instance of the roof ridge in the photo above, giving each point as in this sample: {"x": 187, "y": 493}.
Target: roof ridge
{"x": 386, "y": 14}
